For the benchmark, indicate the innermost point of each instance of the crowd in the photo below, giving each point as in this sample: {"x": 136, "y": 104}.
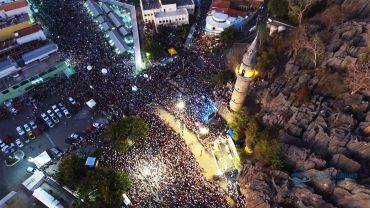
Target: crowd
{"x": 176, "y": 180}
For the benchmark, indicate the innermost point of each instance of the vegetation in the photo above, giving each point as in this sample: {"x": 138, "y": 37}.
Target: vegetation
{"x": 263, "y": 33}
{"x": 269, "y": 151}
{"x": 299, "y": 8}
{"x": 124, "y": 133}
{"x": 97, "y": 187}
{"x": 237, "y": 124}
{"x": 278, "y": 8}
{"x": 331, "y": 83}
{"x": 222, "y": 77}
{"x": 228, "y": 35}
{"x": 152, "y": 48}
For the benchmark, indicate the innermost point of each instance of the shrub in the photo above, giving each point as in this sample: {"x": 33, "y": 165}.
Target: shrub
{"x": 278, "y": 8}
{"x": 269, "y": 151}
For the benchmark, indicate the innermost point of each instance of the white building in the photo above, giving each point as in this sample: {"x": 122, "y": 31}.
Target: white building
{"x": 14, "y": 8}
{"x": 167, "y": 12}
{"x": 29, "y": 34}
{"x": 217, "y": 22}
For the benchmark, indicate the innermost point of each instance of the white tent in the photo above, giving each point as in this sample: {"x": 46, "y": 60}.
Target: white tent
{"x": 47, "y": 199}
{"x": 126, "y": 200}
{"x": 33, "y": 180}
{"x": 89, "y": 67}
{"x": 104, "y": 71}
{"x": 91, "y": 103}
{"x": 41, "y": 159}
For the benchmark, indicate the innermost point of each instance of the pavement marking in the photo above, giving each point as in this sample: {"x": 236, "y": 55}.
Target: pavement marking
{"x": 49, "y": 138}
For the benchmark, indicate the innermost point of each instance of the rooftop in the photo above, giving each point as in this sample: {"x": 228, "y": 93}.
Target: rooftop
{"x": 150, "y": 4}
{"x": 13, "y": 5}
{"x": 182, "y": 11}
{"x": 28, "y": 30}
{"x": 6, "y": 64}
{"x": 39, "y": 51}
{"x": 168, "y": 2}
{"x": 14, "y": 20}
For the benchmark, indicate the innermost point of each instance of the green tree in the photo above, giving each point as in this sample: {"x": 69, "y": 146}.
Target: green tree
{"x": 269, "y": 151}
{"x": 71, "y": 170}
{"x": 228, "y": 35}
{"x": 222, "y": 77}
{"x": 152, "y": 48}
{"x": 237, "y": 124}
{"x": 278, "y": 8}
{"x": 102, "y": 188}
{"x": 251, "y": 132}
{"x": 124, "y": 133}
{"x": 263, "y": 33}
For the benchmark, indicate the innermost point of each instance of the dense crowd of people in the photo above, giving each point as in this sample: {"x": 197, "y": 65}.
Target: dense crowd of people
{"x": 175, "y": 178}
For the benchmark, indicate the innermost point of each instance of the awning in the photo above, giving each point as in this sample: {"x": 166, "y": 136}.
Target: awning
{"x": 41, "y": 159}
{"x": 91, "y": 103}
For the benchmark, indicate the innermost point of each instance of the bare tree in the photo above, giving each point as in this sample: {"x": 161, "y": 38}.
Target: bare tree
{"x": 314, "y": 45}
{"x": 298, "y": 8}
{"x": 359, "y": 76}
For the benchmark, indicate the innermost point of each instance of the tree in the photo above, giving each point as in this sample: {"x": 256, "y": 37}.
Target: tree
{"x": 297, "y": 8}
{"x": 359, "y": 75}
{"x": 152, "y": 48}
{"x": 124, "y": 133}
{"x": 278, "y": 8}
{"x": 269, "y": 151}
{"x": 251, "y": 132}
{"x": 71, "y": 170}
{"x": 237, "y": 124}
{"x": 314, "y": 45}
{"x": 102, "y": 188}
{"x": 228, "y": 35}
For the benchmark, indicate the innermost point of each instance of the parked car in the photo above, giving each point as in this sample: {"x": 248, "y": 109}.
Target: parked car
{"x": 55, "y": 152}
{"x": 50, "y": 113}
{"x": 70, "y": 141}
{"x": 57, "y": 111}
{"x": 4, "y": 148}
{"x": 72, "y": 101}
{"x": 31, "y": 169}
{"x": 13, "y": 111}
{"x": 31, "y": 135}
{"x": 44, "y": 116}
{"x": 2, "y": 144}
{"x": 50, "y": 123}
{"x": 33, "y": 125}
{"x": 28, "y": 129}
{"x": 20, "y": 131}
{"x": 25, "y": 139}
{"x": 19, "y": 143}
{"x": 9, "y": 150}
{"x": 66, "y": 113}
{"x": 97, "y": 125}
{"x": 61, "y": 106}
{"x": 55, "y": 119}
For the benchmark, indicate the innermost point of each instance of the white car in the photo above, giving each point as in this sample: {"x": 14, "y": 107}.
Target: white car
{"x": 97, "y": 125}
{"x": 20, "y": 131}
{"x": 27, "y": 127}
{"x": 2, "y": 144}
{"x": 31, "y": 169}
{"x": 50, "y": 123}
{"x": 66, "y": 113}
{"x": 13, "y": 111}
{"x": 33, "y": 125}
{"x": 19, "y": 143}
{"x": 51, "y": 114}
{"x": 73, "y": 102}
{"x": 45, "y": 117}
{"x": 57, "y": 111}
{"x": 4, "y": 148}
{"x": 55, "y": 119}
{"x": 61, "y": 106}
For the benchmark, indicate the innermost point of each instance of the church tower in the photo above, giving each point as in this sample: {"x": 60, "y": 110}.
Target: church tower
{"x": 245, "y": 73}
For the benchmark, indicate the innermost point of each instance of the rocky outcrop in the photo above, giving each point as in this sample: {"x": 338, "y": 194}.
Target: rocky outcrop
{"x": 349, "y": 194}
{"x": 342, "y": 162}
{"x": 294, "y": 156}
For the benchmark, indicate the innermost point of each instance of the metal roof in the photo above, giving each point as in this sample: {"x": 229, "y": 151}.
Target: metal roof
{"x": 116, "y": 20}
{"x": 7, "y": 64}
{"x": 105, "y": 8}
{"x": 94, "y": 8}
{"x": 118, "y": 41}
{"x": 44, "y": 50}
{"x": 106, "y": 26}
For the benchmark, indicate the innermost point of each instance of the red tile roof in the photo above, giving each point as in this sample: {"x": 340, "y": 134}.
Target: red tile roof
{"x": 218, "y": 4}
{"x": 14, "y": 5}
{"x": 28, "y": 30}
{"x": 235, "y": 12}
{"x": 225, "y": 6}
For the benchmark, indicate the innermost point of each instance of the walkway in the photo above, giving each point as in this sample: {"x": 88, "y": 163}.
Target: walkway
{"x": 204, "y": 158}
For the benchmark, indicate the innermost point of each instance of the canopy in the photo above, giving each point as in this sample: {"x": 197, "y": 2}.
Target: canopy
{"x": 33, "y": 180}
{"x": 41, "y": 159}
{"x": 104, "y": 71}
{"x": 91, "y": 103}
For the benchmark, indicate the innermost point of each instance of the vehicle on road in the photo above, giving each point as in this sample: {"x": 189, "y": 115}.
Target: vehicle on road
{"x": 20, "y": 131}
{"x": 28, "y": 129}
{"x": 66, "y": 113}
{"x": 31, "y": 169}
{"x": 19, "y": 143}
{"x": 55, "y": 119}
{"x": 33, "y": 125}
{"x": 97, "y": 125}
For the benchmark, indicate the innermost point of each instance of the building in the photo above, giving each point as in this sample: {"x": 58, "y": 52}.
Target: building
{"x": 9, "y": 25}
{"x": 7, "y": 67}
{"x": 14, "y": 8}
{"x": 245, "y": 73}
{"x": 34, "y": 32}
{"x": 167, "y": 12}
{"x": 39, "y": 53}
{"x": 217, "y": 22}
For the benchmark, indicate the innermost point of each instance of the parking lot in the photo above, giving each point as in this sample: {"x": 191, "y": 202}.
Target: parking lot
{"x": 13, "y": 176}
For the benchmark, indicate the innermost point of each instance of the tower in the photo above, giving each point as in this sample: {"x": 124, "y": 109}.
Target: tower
{"x": 245, "y": 73}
